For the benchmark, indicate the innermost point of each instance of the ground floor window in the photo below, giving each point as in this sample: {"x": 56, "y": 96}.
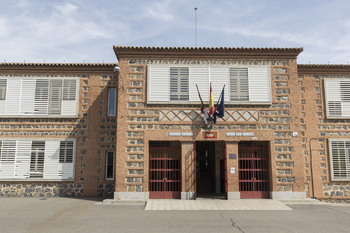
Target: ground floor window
{"x": 49, "y": 159}
{"x": 110, "y": 156}
{"x": 340, "y": 159}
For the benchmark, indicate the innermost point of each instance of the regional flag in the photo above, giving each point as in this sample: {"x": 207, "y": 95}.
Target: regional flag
{"x": 211, "y": 102}
{"x": 220, "y": 110}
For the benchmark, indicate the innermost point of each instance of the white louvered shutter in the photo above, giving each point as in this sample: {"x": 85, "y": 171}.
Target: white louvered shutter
{"x": 13, "y": 94}
{"x": 259, "y": 84}
{"x": 7, "y": 159}
{"x": 199, "y": 76}
{"x": 22, "y": 168}
{"x": 69, "y": 102}
{"x": 158, "y": 84}
{"x": 3, "y": 87}
{"x": 66, "y": 165}
{"x": 51, "y": 160}
{"x": 55, "y": 99}
{"x": 41, "y": 97}
{"x": 27, "y": 96}
{"x": 218, "y": 78}
{"x": 340, "y": 159}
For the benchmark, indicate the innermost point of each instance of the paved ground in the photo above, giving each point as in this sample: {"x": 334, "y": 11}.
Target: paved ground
{"x": 81, "y": 215}
{"x": 213, "y": 204}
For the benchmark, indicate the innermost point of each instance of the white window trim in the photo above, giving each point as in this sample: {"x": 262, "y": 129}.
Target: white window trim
{"x": 46, "y": 140}
{"x": 227, "y": 98}
{"x": 331, "y": 158}
{"x": 106, "y": 167}
{"x": 44, "y": 115}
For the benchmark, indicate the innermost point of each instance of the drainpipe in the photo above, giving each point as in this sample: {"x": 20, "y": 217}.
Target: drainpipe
{"x": 312, "y": 173}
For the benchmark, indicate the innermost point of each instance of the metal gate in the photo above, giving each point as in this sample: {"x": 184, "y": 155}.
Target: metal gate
{"x": 165, "y": 173}
{"x": 253, "y": 172}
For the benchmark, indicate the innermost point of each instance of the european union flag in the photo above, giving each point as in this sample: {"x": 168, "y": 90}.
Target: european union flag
{"x": 220, "y": 110}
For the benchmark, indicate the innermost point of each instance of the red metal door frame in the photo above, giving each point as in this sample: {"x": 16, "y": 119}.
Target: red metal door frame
{"x": 253, "y": 172}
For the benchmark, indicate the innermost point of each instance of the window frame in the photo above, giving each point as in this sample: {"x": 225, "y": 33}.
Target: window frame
{"x": 41, "y": 100}
{"x": 346, "y": 158}
{"x": 53, "y": 170}
{"x": 107, "y": 166}
{"x": 164, "y": 98}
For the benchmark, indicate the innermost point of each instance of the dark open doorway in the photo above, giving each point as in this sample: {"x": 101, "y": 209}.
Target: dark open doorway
{"x": 210, "y": 170}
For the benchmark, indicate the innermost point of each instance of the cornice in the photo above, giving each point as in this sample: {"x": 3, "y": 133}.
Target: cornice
{"x": 83, "y": 68}
{"x": 130, "y": 52}
{"x": 322, "y": 69}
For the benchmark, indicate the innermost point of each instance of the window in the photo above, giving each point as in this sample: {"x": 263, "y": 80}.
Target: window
{"x": 244, "y": 84}
{"x": 38, "y": 97}
{"x": 337, "y": 98}
{"x": 112, "y": 95}
{"x": 239, "y": 84}
{"x": 110, "y": 165}
{"x": 340, "y": 159}
{"x": 37, "y": 159}
{"x": 3, "y": 83}
{"x": 32, "y": 159}
{"x": 66, "y": 152}
{"x": 179, "y": 81}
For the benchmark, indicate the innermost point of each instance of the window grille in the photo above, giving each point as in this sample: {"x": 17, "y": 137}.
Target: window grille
{"x": 66, "y": 152}
{"x": 37, "y": 159}
{"x": 340, "y": 159}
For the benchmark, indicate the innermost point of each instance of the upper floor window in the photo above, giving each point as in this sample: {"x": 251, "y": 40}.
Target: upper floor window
{"x": 340, "y": 159}
{"x": 177, "y": 84}
{"x": 337, "y": 98}
{"x": 112, "y": 99}
{"x": 38, "y": 96}
{"x": 3, "y": 83}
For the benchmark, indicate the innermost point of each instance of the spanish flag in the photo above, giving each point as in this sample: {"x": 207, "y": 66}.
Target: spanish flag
{"x": 211, "y": 102}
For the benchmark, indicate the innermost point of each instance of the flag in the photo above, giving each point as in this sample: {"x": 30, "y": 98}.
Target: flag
{"x": 202, "y": 104}
{"x": 211, "y": 102}
{"x": 206, "y": 116}
{"x": 220, "y": 110}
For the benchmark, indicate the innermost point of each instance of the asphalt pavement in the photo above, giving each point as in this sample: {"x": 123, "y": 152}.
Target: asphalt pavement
{"x": 82, "y": 215}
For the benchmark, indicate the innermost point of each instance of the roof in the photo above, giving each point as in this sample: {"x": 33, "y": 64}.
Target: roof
{"x": 131, "y": 52}
{"x": 56, "y": 67}
{"x": 323, "y": 69}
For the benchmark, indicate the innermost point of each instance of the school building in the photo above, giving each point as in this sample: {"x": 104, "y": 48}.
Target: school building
{"x": 134, "y": 130}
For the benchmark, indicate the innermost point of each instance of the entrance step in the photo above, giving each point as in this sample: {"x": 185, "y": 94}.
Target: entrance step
{"x": 119, "y": 202}
{"x": 207, "y": 204}
{"x": 301, "y": 201}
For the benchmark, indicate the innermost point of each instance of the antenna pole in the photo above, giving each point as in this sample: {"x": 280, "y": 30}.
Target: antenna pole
{"x": 195, "y": 23}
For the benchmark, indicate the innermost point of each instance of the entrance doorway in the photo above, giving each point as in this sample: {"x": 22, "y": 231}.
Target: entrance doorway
{"x": 210, "y": 169}
{"x": 164, "y": 170}
{"x": 253, "y": 169}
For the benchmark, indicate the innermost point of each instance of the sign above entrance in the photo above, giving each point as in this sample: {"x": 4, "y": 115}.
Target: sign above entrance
{"x": 245, "y": 134}
{"x": 174, "y": 134}
{"x": 209, "y": 134}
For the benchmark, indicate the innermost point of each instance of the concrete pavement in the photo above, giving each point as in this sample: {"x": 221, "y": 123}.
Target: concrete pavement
{"x": 81, "y": 215}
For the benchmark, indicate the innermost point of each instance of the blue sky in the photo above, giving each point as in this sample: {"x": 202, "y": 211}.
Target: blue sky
{"x": 86, "y": 30}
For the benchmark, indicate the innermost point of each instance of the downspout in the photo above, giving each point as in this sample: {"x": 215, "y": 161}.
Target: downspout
{"x": 312, "y": 173}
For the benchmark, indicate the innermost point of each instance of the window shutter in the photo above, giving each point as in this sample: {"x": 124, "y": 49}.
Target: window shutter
{"x": 27, "y": 96}
{"x": 41, "y": 97}
{"x": 66, "y": 164}
{"x": 218, "y": 78}
{"x": 158, "y": 84}
{"x": 259, "y": 84}
{"x": 199, "y": 76}
{"x": 179, "y": 81}
{"x": 337, "y": 98}
{"x": 55, "y": 100}
{"x": 23, "y": 159}
{"x": 69, "y": 102}
{"x": 13, "y": 96}
{"x": 340, "y": 159}
{"x": 7, "y": 159}
{"x": 51, "y": 160}
{"x": 3, "y": 87}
